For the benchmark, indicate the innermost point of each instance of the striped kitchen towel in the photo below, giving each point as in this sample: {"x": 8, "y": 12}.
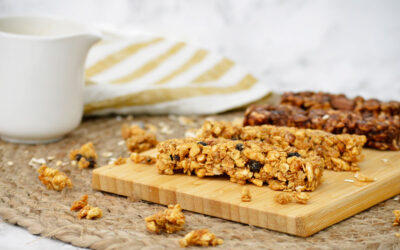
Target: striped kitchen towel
{"x": 153, "y": 75}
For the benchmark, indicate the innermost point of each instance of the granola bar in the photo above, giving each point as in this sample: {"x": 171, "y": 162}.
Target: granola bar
{"x": 319, "y": 100}
{"x": 200, "y": 237}
{"x": 138, "y": 139}
{"x": 382, "y": 132}
{"x": 170, "y": 220}
{"x": 86, "y": 156}
{"x": 340, "y": 152}
{"x": 242, "y": 161}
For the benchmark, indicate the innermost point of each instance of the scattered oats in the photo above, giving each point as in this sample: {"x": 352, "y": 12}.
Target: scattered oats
{"x": 73, "y": 163}
{"x": 363, "y": 178}
{"x": 349, "y": 180}
{"x": 36, "y": 162}
{"x": 118, "y": 118}
{"x": 112, "y": 160}
{"x": 10, "y": 163}
{"x": 172, "y": 117}
{"x": 140, "y": 124}
{"x": 129, "y": 118}
{"x": 165, "y": 128}
{"x": 120, "y": 143}
{"x": 246, "y": 195}
{"x": 325, "y": 117}
{"x": 59, "y": 163}
{"x": 50, "y": 158}
{"x": 384, "y": 160}
{"x": 151, "y": 128}
{"x": 396, "y": 198}
{"x": 185, "y": 121}
{"x": 191, "y": 133}
{"x": 107, "y": 154}
{"x": 210, "y": 118}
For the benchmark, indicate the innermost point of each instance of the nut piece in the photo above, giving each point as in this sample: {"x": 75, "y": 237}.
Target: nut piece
{"x": 86, "y": 156}
{"x": 285, "y": 197}
{"x": 170, "y": 220}
{"x": 363, "y": 178}
{"x": 78, "y": 205}
{"x": 143, "y": 159}
{"x": 53, "y": 178}
{"x": 90, "y": 212}
{"x": 301, "y": 197}
{"x": 246, "y": 196}
{"x": 201, "y": 237}
{"x": 120, "y": 161}
{"x": 138, "y": 139}
{"x": 396, "y": 221}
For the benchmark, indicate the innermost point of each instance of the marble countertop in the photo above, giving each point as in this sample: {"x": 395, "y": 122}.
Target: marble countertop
{"x": 346, "y": 46}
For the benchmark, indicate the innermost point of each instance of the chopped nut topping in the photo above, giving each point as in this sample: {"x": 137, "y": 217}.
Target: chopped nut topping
{"x": 78, "y": 205}
{"x": 90, "y": 212}
{"x": 138, "y": 139}
{"x": 285, "y": 197}
{"x": 53, "y": 179}
{"x": 86, "y": 156}
{"x": 396, "y": 221}
{"x": 246, "y": 196}
{"x": 363, "y": 178}
{"x": 143, "y": 159}
{"x": 120, "y": 161}
{"x": 201, "y": 237}
{"x": 170, "y": 220}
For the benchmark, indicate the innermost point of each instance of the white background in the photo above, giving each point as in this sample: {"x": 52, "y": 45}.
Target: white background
{"x": 347, "y": 46}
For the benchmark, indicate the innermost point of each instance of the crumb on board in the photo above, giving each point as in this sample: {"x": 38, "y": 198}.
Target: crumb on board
{"x": 349, "y": 180}
{"x": 396, "y": 221}
{"x": 53, "y": 178}
{"x": 170, "y": 220}
{"x": 200, "y": 237}
{"x": 288, "y": 197}
{"x": 85, "y": 156}
{"x": 142, "y": 159}
{"x": 120, "y": 161}
{"x": 36, "y": 162}
{"x": 246, "y": 196}
{"x": 362, "y": 178}
{"x": 384, "y": 160}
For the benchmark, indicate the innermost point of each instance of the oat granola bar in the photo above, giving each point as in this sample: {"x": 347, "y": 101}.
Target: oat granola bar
{"x": 242, "y": 161}
{"x": 340, "y": 152}
{"x": 382, "y": 132}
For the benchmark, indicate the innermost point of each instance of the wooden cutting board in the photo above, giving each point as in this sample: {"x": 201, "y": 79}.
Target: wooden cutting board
{"x": 335, "y": 200}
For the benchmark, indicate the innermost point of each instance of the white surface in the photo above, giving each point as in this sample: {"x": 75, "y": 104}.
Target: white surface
{"x": 350, "y": 46}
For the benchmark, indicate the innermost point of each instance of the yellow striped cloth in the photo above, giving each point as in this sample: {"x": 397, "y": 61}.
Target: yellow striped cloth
{"x": 144, "y": 74}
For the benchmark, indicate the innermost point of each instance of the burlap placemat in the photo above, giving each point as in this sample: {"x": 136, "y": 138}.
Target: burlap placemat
{"x": 26, "y": 202}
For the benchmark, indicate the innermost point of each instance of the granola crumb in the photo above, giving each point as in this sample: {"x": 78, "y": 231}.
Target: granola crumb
{"x": 120, "y": 161}
{"x": 89, "y": 212}
{"x": 286, "y": 197}
{"x": 191, "y": 133}
{"x": 79, "y": 204}
{"x": 301, "y": 197}
{"x": 185, "y": 121}
{"x": 349, "y": 180}
{"x": 396, "y": 221}
{"x": 107, "y": 154}
{"x": 50, "y": 158}
{"x": 59, "y": 163}
{"x": 86, "y": 156}
{"x": 283, "y": 198}
{"x": 246, "y": 196}
{"x": 384, "y": 160}
{"x": 53, "y": 178}
{"x": 137, "y": 139}
{"x": 10, "y": 163}
{"x": 200, "y": 237}
{"x": 143, "y": 159}
{"x": 36, "y": 162}
{"x": 170, "y": 220}
{"x": 363, "y": 178}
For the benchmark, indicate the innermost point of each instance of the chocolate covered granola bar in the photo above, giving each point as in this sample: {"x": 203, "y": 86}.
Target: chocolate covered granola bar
{"x": 242, "y": 161}
{"x": 340, "y": 152}
{"x": 382, "y": 131}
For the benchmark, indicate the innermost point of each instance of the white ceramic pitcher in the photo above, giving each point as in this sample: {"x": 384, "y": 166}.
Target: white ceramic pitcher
{"x": 41, "y": 77}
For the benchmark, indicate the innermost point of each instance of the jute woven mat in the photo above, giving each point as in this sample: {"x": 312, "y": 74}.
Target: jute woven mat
{"x": 26, "y": 202}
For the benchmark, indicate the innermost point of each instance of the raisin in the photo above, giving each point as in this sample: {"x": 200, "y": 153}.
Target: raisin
{"x": 290, "y": 154}
{"x": 202, "y": 143}
{"x": 234, "y": 138}
{"x": 176, "y": 157}
{"x": 78, "y": 157}
{"x": 255, "y": 166}
{"x": 170, "y": 156}
{"x": 239, "y": 146}
{"x": 92, "y": 162}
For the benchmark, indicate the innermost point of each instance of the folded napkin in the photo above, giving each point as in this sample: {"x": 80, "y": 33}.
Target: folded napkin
{"x": 154, "y": 75}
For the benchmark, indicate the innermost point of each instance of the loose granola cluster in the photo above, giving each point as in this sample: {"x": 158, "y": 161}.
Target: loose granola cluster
{"x": 138, "y": 139}
{"x": 288, "y": 197}
{"x": 246, "y": 196}
{"x": 337, "y": 114}
{"x": 396, "y": 221}
{"x": 85, "y": 210}
{"x": 242, "y": 161}
{"x": 120, "y": 161}
{"x": 142, "y": 159}
{"x": 201, "y": 237}
{"x": 339, "y": 152}
{"x": 86, "y": 156}
{"x": 170, "y": 220}
{"x": 53, "y": 178}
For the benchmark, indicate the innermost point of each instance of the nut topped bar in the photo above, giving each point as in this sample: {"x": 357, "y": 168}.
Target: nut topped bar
{"x": 339, "y": 152}
{"x": 382, "y": 131}
{"x": 242, "y": 161}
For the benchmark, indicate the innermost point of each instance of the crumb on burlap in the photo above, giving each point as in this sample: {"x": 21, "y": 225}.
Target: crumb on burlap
{"x": 185, "y": 121}
{"x": 246, "y": 196}
{"x": 120, "y": 161}
{"x": 138, "y": 139}
{"x": 53, "y": 178}
{"x": 397, "y": 235}
{"x": 142, "y": 159}
{"x": 86, "y": 156}
{"x": 288, "y": 197}
{"x": 200, "y": 237}
{"x": 89, "y": 212}
{"x": 396, "y": 221}
{"x": 170, "y": 220}
{"x": 362, "y": 178}
{"x": 79, "y": 204}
